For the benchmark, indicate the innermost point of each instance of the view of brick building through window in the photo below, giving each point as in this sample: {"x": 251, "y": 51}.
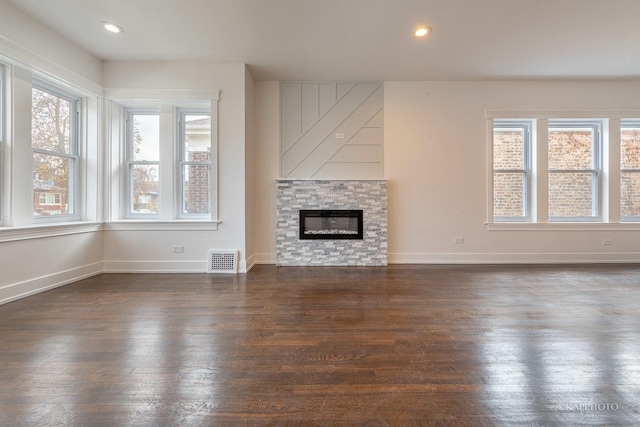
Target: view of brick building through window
{"x": 197, "y": 164}
{"x": 630, "y": 171}
{"x": 509, "y": 178}
{"x": 196, "y": 190}
{"x": 572, "y": 177}
{"x": 573, "y": 172}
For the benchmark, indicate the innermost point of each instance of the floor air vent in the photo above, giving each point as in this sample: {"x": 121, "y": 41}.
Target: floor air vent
{"x": 223, "y": 261}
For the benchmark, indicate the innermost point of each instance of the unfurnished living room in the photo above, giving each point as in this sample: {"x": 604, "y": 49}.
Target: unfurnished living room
{"x": 319, "y": 213}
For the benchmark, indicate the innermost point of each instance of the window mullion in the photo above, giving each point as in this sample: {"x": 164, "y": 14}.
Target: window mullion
{"x": 541, "y": 171}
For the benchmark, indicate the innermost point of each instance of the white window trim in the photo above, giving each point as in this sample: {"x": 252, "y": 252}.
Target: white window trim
{"x": 21, "y": 67}
{"x": 74, "y": 156}
{"x": 37, "y": 231}
{"x": 611, "y": 220}
{"x": 181, "y": 162}
{"x": 527, "y": 171}
{"x": 597, "y": 167}
{"x": 120, "y": 98}
{"x": 129, "y": 163}
{"x": 627, "y": 123}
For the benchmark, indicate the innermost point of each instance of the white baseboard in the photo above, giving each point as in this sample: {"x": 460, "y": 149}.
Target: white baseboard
{"x": 248, "y": 264}
{"x": 264, "y": 258}
{"x": 515, "y": 258}
{"x": 117, "y": 266}
{"x": 33, "y": 286}
{"x": 36, "y": 285}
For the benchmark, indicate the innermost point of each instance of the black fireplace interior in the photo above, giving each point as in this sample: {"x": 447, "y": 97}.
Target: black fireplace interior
{"x": 331, "y": 224}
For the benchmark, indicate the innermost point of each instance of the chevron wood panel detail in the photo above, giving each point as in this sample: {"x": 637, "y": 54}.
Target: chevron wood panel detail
{"x": 312, "y": 117}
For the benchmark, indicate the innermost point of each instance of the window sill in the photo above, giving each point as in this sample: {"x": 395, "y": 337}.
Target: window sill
{"x": 152, "y": 225}
{"x": 562, "y": 226}
{"x": 38, "y": 231}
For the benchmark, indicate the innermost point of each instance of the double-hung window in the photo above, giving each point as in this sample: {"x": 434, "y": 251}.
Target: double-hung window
{"x": 511, "y": 170}
{"x": 143, "y": 162}
{"x": 168, "y": 162}
{"x": 54, "y": 143}
{"x": 575, "y": 170}
{"x": 630, "y": 170}
{"x": 194, "y": 163}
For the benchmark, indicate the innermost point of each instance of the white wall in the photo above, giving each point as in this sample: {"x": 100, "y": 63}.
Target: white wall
{"x": 313, "y": 114}
{"x": 33, "y": 259}
{"x": 150, "y": 250}
{"x": 24, "y": 38}
{"x": 33, "y": 265}
{"x": 267, "y": 169}
{"x": 250, "y": 160}
{"x": 435, "y": 142}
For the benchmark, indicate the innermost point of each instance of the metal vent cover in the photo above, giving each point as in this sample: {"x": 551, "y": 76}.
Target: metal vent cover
{"x": 222, "y": 261}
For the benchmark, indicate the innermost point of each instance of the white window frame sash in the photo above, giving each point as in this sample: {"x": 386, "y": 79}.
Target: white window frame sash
{"x": 161, "y": 101}
{"x": 130, "y": 164}
{"x": 629, "y": 124}
{"x": 596, "y": 170}
{"x": 629, "y": 218}
{"x": 181, "y": 113}
{"x": 526, "y": 126}
{"x": 130, "y": 201}
{"x": 73, "y": 155}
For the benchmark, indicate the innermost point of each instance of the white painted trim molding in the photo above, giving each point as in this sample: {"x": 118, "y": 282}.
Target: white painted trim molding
{"x": 558, "y": 114}
{"x": 177, "y": 225}
{"x": 127, "y": 95}
{"x": 164, "y": 266}
{"x": 37, "y": 231}
{"x": 34, "y": 286}
{"x": 23, "y": 57}
{"x": 264, "y": 258}
{"x": 516, "y": 258}
{"x": 562, "y": 226}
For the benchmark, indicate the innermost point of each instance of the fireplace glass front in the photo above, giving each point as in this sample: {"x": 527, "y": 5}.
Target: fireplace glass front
{"x": 331, "y": 224}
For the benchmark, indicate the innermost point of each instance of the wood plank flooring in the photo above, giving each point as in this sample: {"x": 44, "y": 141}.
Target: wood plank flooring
{"x": 396, "y": 346}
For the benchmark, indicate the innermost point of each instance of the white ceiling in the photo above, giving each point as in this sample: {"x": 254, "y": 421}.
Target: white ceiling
{"x": 364, "y": 39}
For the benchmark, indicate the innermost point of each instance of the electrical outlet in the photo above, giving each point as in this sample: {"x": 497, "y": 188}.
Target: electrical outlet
{"x": 178, "y": 249}
{"x": 459, "y": 240}
{"x": 607, "y": 242}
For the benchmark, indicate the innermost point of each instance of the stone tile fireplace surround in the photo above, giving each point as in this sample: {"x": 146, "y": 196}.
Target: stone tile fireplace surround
{"x": 295, "y": 195}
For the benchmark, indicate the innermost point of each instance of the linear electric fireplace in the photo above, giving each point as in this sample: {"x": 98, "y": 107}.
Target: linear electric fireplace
{"x": 295, "y": 247}
{"x": 331, "y": 224}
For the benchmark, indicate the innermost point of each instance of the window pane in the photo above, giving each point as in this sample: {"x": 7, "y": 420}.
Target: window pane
{"x": 146, "y": 137}
{"x": 197, "y": 138}
{"x": 571, "y": 194}
{"x": 50, "y": 122}
{"x": 629, "y": 194}
{"x": 196, "y": 189}
{"x": 51, "y": 185}
{"x": 509, "y": 195}
{"x": 145, "y": 188}
{"x": 571, "y": 148}
{"x": 508, "y": 149}
{"x": 630, "y": 148}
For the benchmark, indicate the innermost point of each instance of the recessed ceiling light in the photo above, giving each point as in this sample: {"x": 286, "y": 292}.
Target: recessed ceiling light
{"x": 422, "y": 31}
{"x": 111, "y": 27}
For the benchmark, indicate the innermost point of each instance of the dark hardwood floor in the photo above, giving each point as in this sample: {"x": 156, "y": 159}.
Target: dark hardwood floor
{"x": 399, "y": 346}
